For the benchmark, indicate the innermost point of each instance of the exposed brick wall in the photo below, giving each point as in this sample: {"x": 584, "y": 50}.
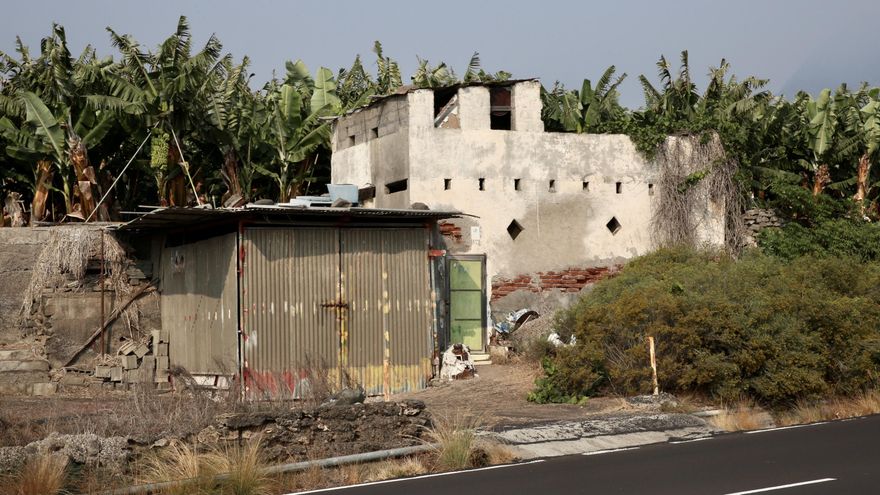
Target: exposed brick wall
{"x": 568, "y": 280}
{"x": 450, "y": 230}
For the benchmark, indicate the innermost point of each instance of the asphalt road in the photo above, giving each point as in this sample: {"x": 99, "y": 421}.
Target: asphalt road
{"x": 838, "y": 458}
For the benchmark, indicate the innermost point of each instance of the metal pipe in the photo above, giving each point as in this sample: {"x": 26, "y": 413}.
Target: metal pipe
{"x": 292, "y": 467}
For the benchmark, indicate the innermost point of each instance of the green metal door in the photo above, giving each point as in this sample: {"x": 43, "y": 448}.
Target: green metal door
{"x": 466, "y": 309}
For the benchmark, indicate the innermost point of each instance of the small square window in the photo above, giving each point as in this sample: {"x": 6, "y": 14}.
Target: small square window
{"x": 514, "y": 229}
{"x": 618, "y": 187}
{"x": 482, "y": 184}
{"x": 374, "y": 132}
{"x": 447, "y": 184}
{"x": 613, "y": 225}
{"x": 585, "y": 186}
{"x": 351, "y": 140}
{"x": 650, "y": 189}
{"x": 552, "y": 186}
{"x": 516, "y": 184}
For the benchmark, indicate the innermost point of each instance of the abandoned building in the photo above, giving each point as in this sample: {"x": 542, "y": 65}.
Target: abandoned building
{"x": 272, "y": 293}
{"x": 545, "y": 213}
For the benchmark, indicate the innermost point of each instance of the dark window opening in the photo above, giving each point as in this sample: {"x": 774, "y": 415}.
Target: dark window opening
{"x": 650, "y": 189}
{"x": 482, "y": 184}
{"x": 552, "y": 185}
{"x": 585, "y": 186}
{"x": 447, "y": 184}
{"x": 442, "y": 97}
{"x": 396, "y": 186}
{"x": 445, "y": 103}
{"x": 374, "y": 132}
{"x": 618, "y": 186}
{"x": 351, "y": 140}
{"x": 613, "y": 225}
{"x": 514, "y": 229}
{"x": 499, "y": 109}
{"x": 516, "y": 184}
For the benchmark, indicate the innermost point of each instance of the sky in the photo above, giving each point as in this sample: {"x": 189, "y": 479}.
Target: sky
{"x": 797, "y": 44}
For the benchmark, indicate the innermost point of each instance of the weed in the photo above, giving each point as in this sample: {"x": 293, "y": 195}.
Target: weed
{"x": 398, "y": 468}
{"x": 744, "y": 415}
{"x": 454, "y": 437}
{"x": 493, "y": 452}
{"x": 189, "y": 472}
{"x": 244, "y": 469}
{"x": 41, "y": 475}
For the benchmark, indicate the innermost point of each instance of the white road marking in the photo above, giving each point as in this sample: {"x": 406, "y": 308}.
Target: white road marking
{"x": 691, "y": 441}
{"x": 782, "y": 487}
{"x": 598, "y": 452}
{"x": 786, "y": 427}
{"x": 383, "y": 482}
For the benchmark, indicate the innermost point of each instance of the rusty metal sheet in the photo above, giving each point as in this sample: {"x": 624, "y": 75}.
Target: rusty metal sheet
{"x": 385, "y": 279}
{"x": 199, "y": 305}
{"x": 289, "y": 277}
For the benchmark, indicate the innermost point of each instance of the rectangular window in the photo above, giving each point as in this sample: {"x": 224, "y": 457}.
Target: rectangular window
{"x": 516, "y": 185}
{"x": 499, "y": 109}
{"x": 396, "y": 186}
{"x": 351, "y": 140}
{"x": 374, "y": 132}
{"x": 618, "y": 187}
{"x": 650, "y": 189}
{"x": 552, "y": 185}
{"x": 585, "y": 186}
{"x": 447, "y": 184}
{"x": 482, "y": 184}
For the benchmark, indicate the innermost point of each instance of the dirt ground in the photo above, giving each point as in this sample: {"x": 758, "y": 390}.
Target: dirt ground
{"x": 497, "y": 397}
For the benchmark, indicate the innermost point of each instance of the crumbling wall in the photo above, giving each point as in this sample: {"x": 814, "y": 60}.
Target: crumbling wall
{"x": 19, "y": 249}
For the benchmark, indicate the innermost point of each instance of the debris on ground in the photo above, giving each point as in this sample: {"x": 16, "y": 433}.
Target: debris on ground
{"x": 457, "y": 363}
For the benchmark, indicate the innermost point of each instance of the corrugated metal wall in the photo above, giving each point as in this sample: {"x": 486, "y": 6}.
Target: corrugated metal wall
{"x": 288, "y": 274}
{"x": 363, "y": 304}
{"x": 199, "y": 305}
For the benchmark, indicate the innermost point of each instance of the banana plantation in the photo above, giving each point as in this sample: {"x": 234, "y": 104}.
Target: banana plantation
{"x": 85, "y": 138}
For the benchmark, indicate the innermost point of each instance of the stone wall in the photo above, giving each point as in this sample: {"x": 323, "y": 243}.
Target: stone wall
{"x": 758, "y": 219}
{"x": 19, "y": 249}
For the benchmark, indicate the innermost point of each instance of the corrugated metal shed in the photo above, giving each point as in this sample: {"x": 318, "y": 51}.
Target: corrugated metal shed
{"x": 276, "y": 293}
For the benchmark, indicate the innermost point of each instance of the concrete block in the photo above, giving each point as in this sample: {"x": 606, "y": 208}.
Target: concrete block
{"x": 160, "y": 349}
{"x": 162, "y": 363}
{"x": 116, "y": 374}
{"x": 102, "y": 371}
{"x": 131, "y": 376}
{"x": 127, "y": 347}
{"x": 141, "y": 350}
{"x": 162, "y": 375}
{"x": 24, "y": 366}
{"x": 44, "y": 389}
{"x": 155, "y": 337}
{"x": 147, "y": 369}
{"x": 129, "y": 362}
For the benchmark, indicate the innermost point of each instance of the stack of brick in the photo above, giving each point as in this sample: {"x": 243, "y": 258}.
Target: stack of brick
{"x": 142, "y": 364}
{"x": 568, "y": 280}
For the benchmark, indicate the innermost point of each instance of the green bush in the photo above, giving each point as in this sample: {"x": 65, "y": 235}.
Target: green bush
{"x": 841, "y": 237}
{"x": 763, "y": 327}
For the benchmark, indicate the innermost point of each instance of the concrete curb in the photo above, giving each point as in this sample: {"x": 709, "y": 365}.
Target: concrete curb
{"x": 579, "y": 437}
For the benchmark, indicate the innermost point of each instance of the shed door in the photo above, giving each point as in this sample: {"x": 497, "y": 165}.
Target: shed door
{"x": 352, "y": 300}
{"x": 466, "y": 310}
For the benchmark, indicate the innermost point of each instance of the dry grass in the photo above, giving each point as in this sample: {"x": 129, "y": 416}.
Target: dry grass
{"x": 397, "y": 468}
{"x": 744, "y": 415}
{"x": 455, "y": 439}
{"x": 42, "y": 475}
{"x": 190, "y": 472}
{"x": 244, "y": 467}
{"x": 863, "y": 404}
{"x": 495, "y": 453}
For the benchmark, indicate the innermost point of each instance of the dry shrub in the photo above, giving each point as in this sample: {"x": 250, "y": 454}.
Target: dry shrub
{"x": 455, "y": 441}
{"x": 354, "y": 474}
{"x": 324, "y": 381}
{"x": 863, "y": 404}
{"x": 244, "y": 468}
{"x": 42, "y": 475}
{"x": 186, "y": 471}
{"x": 398, "y": 468}
{"x": 493, "y": 452}
{"x": 744, "y": 415}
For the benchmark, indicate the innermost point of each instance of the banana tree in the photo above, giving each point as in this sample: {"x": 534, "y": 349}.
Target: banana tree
{"x": 294, "y": 134}
{"x": 584, "y": 111}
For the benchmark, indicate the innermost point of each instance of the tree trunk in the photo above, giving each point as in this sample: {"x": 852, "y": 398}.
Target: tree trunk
{"x": 85, "y": 174}
{"x": 41, "y": 193}
{"x": 862, "y": 174}
{"x": 821, "y": 178}
{"x": 231, "y": 175}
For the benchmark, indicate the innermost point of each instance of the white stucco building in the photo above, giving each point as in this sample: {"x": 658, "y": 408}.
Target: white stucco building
{"x": 551, "y": 212}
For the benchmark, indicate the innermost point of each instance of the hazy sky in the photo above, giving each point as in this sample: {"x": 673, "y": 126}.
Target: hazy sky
{"x": 806, "y": 44}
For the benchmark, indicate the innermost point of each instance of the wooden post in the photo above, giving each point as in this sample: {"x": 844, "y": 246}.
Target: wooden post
{"x": 653, "y": 365}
